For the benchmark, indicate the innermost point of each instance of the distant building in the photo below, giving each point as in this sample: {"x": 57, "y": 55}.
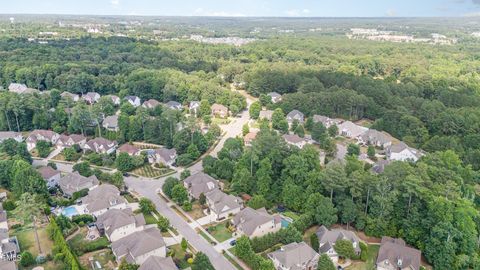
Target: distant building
{"x": 394, "y": 254}
{"x": 133, "y": 100}
{"x": 351, "y": 130}
{"x": 402, "y": 152}
{"x": 376, "y": 138}
{"x": 73, "y": 97}
{"x": 256, "y": 223}
{"x": 327, "y": 239}
{"x": 130, "y": 149}
{"x": 71, "y": 140}
{"x": 41, "y": 135}
{"x": 115, "y": 99}
{"x": 21, "y": 89}
{"x": 194, "y": 107}
{"x": 295, "y": 256}
{"x": 266, "y": 114}
{"x": 91, "y": 97}
{"x": 174, "y": 105}
{"x": 326, "y": 121}
{"x": 275, "y": 97}
{"x": 219, "y": 110}
{"x": 101, "y": 146}
{"x": 111, "y": 123}
{"x": 151, "y": 104}
{"x": 5, "y": 135}
{"x": 249, "y": 138}
{"x": 295, "y": 115}
{"x": 295, "y": 140}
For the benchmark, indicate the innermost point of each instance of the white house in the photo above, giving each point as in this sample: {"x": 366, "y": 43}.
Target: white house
{"x": 116, "y": 224}
{"x": 376, "y": 138}
{"x": 133, "y": 100}
{"x": 351, "y": 130}
{"x": 402, "y": 152}
{"x": 222, "y": 205}
{"x": 328, "y": 238}
{"x": 295, "y": 140}
{"x": 101, "y": 146}
{"x": 138, "y": 246}
{"x": 41, "y": 135}
{"x": 275, "y": 97}
{"x": 50, "y": 175}
{"x": 256, "y": 223}
{"x": 5, "y": 135}
{"x": 174, "y": 105}
{"x": 295, "y": 115}
{"x": 91, "y": 97}
{"x": 70, "y": 140}
{"x": 194, "y": 107}
{"x": 115, "y": 99}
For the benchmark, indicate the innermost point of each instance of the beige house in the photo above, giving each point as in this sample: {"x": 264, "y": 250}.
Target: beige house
{"x": 200, "y": 183}
{"x": 222, "y": 205}
{"x": 256, "y": 223}
{"x": 295, "y": 140}
{"x": 139, "y": 246}
{"x": 130, "y": 149}
{"x": 103, "y": 198}
{"x": 41, "y": 135}
{"x": 327, "y": 239}
{"x": 219, "y": 110}
{"x": 101, "y": 146}
{"x": 116, "y": 223}
{"x": 295, "y": 256}
{"x": 70, "y": 140}
{"x": 394, "y": 254}
{"x": 158, "y": 263}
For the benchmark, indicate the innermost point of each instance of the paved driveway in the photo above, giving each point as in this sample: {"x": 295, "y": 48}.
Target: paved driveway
{"x": 148, "y": 188}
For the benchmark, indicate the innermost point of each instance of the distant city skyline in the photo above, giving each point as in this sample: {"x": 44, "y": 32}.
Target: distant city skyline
{"x": 249, "y": 8}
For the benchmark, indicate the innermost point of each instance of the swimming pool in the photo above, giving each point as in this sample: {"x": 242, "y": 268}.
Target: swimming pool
{"x": 285, "y": 222}
{"x": 70, "y": 211}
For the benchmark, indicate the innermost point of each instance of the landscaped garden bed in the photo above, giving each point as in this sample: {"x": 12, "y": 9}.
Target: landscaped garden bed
{"x": 151, "y": 172}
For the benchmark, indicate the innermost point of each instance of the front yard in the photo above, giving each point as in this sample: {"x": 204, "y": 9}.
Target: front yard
{"x": 178, "y": 256}
{"x": 150, "y": 172}
{"x": 197, "y": 211}
{"x": 220, "y": 231}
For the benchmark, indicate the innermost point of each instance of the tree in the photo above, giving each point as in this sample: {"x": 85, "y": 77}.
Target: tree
{"x": 257, "y": 202}
{"x": 371, "y": 152}
{"x": 29, "y": 208}
{"x": 43, "y": 148}
{"x": 348, "y": 211}
{"x": 184, "y": 244}
{"x": 202, "y": 199}
{"x": 169, "y": 184}
{"x": 202, "y": 262}
{"x": 300, "y": 131}
{"x": 314, "y": 242}
{"x": 179, "y": 194}
{"x": 83, "y": 168}
{"x": 325, "y": 213}
{"x": 245, "y": 129}
{"x": 163, "y": 223}
{"x": 124, "y": 162}
{"x": 353, "y": 150}
{"x": 25, "y": 179}
{"x": 255, "y": 109}
{"x": 279, "y": 121}
{"x": 333, "y": 130}
{"x": 70, "y": 154}
{"x": 146, "y": 206}
{"x": 344, "y": 249}
{"x": 27, "y": 259}
{"x": 325, "y": 263}
{"x": 127, "y": 266}
{"x": 319, "y": 132}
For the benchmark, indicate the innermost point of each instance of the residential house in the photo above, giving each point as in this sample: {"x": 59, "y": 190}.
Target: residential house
{"x": 72, "y": 96}
{"x": 194, "y": 107}
{"x": 91, "y": 97}
{"x": 163, "y": 156}
{"x": 222, "y": 205}
{"x": 115, "y": 99}
{"x": 65, "y": 141}
{"x": 219, "y": 110}
{"x": 351, "y": 130}
{"x": 249, "y": 138}
{"x": 266, "y": 114}
{"x": 275, "y": 97}
{"x": 111, "y": 123}
{"x": 294, "y": 139}
{"x": 394, "y": 254}
{"x": 116, "y": 223}
{"x": 21, "y": 89}
{"x": 295, "y": 115}
{"x": 327, "y": 239}
{"x": 174, "y": 105}
{"x": 158, "y": 263}
{"x": 200, "y": 183}
{"x": 138, "y": 246}
{"x": 133, "y": 100}
{"x": 5, "y": 135}
{"x": 103, "y": 198}
{"x": 295, "y": 256}
{"x": 402, "y": 152}
{"x": 130, "y": 149}
{"x": 379, "y": 166}
{"x": 151, "y": 104}
{"x": 50, "y": 175}
{"x": 74, "y": 182}
{"x": 256, "y": 223}
{"x": 9, "y": 248}
{"x": 326, "y": 121}
{"x": 7, "y": 265}
{"x": 376, "y": 138}
{"x": 101, "y": 146}
{"x": 41, "y": 135}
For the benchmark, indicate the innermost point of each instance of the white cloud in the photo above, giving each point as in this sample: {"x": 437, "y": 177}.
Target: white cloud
{"x": 391, "y": 13}
{"x": 297, "y": 12}
{"x": 115, "y": 2}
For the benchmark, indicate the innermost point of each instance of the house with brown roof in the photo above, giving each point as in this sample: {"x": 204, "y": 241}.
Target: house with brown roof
{"x": 256, "y": 223}
{"x": 294, "y": 139}
{"x": 199, "y": 183}
{"x": 74, "y": 182}
{"x": 41, "y": 135}
{"x": 394, "y": 254}
{"x": 101, "y": 146}
{"x": 130, "y": 149}
{"x": 139, "y": 246}
{"x": 295, "y": 256}
{"x": 219, "y": 110}
{"x": 103, "y": 198}
{"x": 118, "y": 223}
{"x": 158, "y": 263}
{"x": 222, "y": 205}
{"x": 151, "y": 104}
{"x": 50, "y": 175}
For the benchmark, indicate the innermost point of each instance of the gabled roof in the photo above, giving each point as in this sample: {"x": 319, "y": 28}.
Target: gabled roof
{"x": 200, "y": 183}
{"x": 167, "y": 155}
{"x": 158, "y": 263}
{"x": 294, "y": 254}
{"x": 103, "y": 197}
{"x": 9, "y": 135}
{"x": 138, "y": 243}
{"x": 219, "y": 107}
{"x": 36, "y": 134}
{"x": 111, "y": 121}
{"x": 222, "y": 202}
{"x": 295, "y": 114}
{"x": 114, "y": 219}
{"x": 128, "y": 148}
{"x": 293, "y": 138}
{"x": 274, "y": 94}
{"x": 332, "y": 236}
{"x": 354, "y": 130}
{"x": 74, "y": 182}
{"x": 249, "y": 219}
{"x": 373, "y": 135}
{"x": 47, "y": 172}
{"x": 395, "y": 251}
{"x": 99, "y": 144}
{"x": 267, "y": 114}
{"x": 132, "y": 98}
{"x": 173, "y": 104}
{"x": 151, "y": 103}
{"x": 194, "y": 104}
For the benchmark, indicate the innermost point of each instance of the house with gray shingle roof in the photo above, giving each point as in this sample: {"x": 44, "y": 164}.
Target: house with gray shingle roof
{"x": 200, "y": 183}
{"x": 256, "y": 223}
{"x": 130, "y": 149}
{"x": 222, "y": 205}
{"x": 351, "y": 130}
{"x": 102, "y": 198}
{"x": 376, "y": 138}
{"x": 101, "y": 146}
{"x": 327, "y": 239}
{"x": 74, "y": 182}
{"x": 71, "y": 140}
{"x": 111, "y": 123}
{"x": 275, "y": 97}
{"x": 219, "y": 110}
{"x": 91, "y": 97}
{"x": 402, "y": 152}
{"x": 115, "y": 99}
{"x": 295, "y": 115}
{"x": 50, "y": 175}
{"x": 5, "y": 135}
{"x": 41, "y": 135}
{"x": 326, "y": 121}
{"x": 138, "y": 246}
{"x": 294, "y": 139}
{"x": 295, "y": 256}
{"x": 394, "y": 254}
{"x": 158, "y": 263}
{"x": 116, "y": 223}
{"x": 133, "y": 100}
{"x": 164, "y": 156}
{"x": 151, "y": 103}
{"x": 174, "y": 105}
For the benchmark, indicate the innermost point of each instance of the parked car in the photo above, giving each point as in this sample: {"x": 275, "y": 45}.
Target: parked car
{"x": 233, "y": 242}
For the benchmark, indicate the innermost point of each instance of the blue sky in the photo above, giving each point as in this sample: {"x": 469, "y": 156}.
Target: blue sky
{"x": 278, "y": 8}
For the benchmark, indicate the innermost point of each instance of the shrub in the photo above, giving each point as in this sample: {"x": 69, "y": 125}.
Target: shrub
{"x": 187, "y": 206}
{"x": 284, "y": 236}
{"x": 27, "y": 259}
{"x": 364, "y": 251}
{"x": 9, "y": 205}
{"x": 82, "y": 218}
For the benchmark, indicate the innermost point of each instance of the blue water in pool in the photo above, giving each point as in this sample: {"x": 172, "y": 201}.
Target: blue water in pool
{"x": 69, "y": 211}
{"x": 284, "y": 222}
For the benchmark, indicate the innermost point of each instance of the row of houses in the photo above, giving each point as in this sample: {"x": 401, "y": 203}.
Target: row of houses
{"x": 9, "y": 245}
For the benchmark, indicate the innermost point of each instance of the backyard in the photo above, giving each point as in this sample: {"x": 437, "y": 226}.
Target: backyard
{"x": 104, "y": 257}
{"x": 150, "y": 172}
{"x": 80, "y": 245}
{"x": 220, "y": 231}
{"x": 370, "y": 263}
{"x": 178, "y": 256}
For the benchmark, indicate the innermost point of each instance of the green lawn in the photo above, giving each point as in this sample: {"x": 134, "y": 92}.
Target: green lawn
{"x": 150, "y": 219}
{"x": 220, "y": 232}
{"x": 179, "y": 254}
{"x": 26, "y": 239}
{"x": 291, "y": 215}
{"x": 105, "y": 257}
{"x": 151, "y": 172}
{"x": 80, "y": 245}
{"x": 130, "y": 198}
{"x": 370, "y": 263}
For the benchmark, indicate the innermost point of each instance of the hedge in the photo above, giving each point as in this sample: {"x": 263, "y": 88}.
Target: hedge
{"x": 64, "y": 252}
